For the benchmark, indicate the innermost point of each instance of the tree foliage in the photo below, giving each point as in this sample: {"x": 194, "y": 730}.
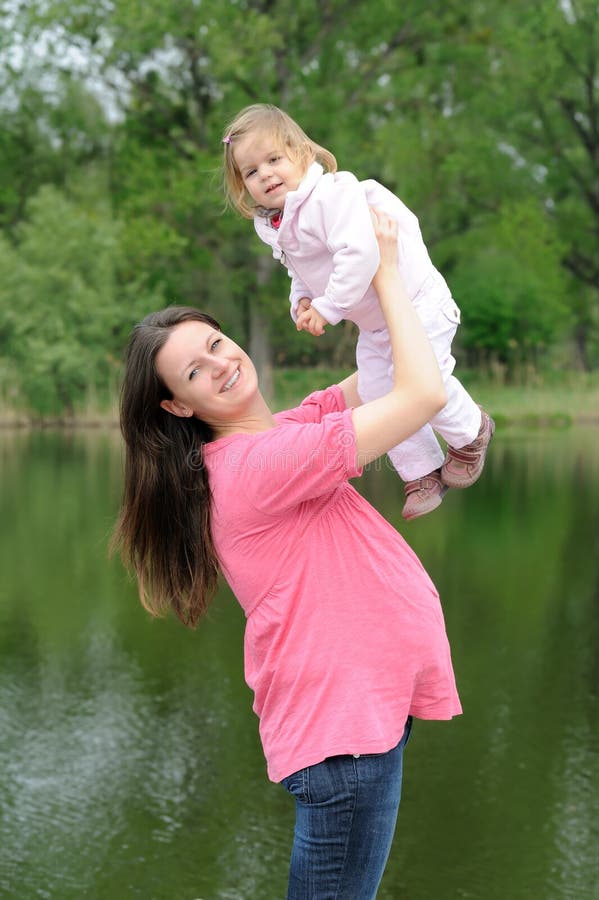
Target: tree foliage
{"x": 483, "y": 118}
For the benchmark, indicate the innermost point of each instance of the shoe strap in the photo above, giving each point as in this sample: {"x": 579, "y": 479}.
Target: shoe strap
{"x": 423, "y": 484}
{"x": 466, "y": 454}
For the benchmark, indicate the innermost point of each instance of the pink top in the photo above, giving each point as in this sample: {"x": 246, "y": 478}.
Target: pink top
{"x": 345, "y": 635}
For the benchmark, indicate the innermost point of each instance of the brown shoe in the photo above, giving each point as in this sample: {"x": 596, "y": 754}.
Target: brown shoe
{"x": 423, "y": 495}
{"x": 462, "y": 467}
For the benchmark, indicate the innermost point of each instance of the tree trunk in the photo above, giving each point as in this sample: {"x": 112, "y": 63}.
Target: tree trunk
{"x": 580, "y": 348}
{"x": 259, "y": 345}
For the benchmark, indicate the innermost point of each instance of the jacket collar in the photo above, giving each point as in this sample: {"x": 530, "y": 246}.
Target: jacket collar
{"x": 294, "y": 199}
{"x": 304, "y": 188}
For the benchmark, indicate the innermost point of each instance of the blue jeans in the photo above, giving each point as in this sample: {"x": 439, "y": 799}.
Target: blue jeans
{"x": 346, "y": 810}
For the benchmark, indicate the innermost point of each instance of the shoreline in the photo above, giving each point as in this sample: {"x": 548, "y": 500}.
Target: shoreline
{"x": 560, "y": 400}
{"x": 525, "y": 419}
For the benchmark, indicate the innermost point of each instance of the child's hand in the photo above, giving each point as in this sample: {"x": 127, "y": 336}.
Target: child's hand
{"x": 310, "y": 320}
{"x": 304, "y": 323}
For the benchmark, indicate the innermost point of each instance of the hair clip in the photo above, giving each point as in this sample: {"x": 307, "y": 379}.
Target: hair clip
{"x": 227, "y": 139}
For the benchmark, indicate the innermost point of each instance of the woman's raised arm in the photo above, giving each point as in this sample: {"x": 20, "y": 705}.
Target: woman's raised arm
{"x": 418, "y": 392}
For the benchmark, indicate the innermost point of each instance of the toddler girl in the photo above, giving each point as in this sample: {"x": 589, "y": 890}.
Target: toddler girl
{"x": 317, "y": 221}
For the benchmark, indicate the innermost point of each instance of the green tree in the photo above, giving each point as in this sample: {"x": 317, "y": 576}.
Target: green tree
{"x": 62, "y": 316}
{"x": 439, "y": 101}
{"x": 513, "y": 285}
{"x": 545, "y": 102}
{"x": 186, "y": 71}
{"x": 50, "y": 127}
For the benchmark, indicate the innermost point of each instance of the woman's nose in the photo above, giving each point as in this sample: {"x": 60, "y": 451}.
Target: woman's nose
{"x": 218, "y": 366}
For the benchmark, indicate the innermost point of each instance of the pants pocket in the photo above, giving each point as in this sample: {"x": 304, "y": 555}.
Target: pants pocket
{"x": 449, "y": 308}
{"x": 297, "y": 785}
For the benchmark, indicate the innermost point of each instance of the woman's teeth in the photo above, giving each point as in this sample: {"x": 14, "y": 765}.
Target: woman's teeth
{"x": 231, "y": 380}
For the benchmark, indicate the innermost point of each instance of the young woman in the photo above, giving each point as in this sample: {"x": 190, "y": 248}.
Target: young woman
{"x": 345, "y": 640}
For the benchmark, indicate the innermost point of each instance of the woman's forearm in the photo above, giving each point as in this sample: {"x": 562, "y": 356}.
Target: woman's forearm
{"x": 414, "y": 364}
{"x": 417, "y": 392}
{"x": 349, "y": 389}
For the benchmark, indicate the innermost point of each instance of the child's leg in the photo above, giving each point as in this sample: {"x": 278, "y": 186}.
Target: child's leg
{"x": 418, "y": 459}
{"x": 419, "y": 454}
{"x": 459, "y": 420}
{"x": 465, "y": 427}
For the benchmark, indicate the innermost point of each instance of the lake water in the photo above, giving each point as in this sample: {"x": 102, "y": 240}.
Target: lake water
{"x": 130, "y": 765}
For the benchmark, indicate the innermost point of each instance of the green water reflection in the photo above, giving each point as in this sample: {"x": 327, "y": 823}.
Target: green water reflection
{"x": 129, "y": 759}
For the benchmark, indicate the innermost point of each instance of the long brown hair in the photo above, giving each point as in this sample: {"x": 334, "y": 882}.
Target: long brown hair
{"x": 163, "y": 531}
{"x": 264, "y": 118}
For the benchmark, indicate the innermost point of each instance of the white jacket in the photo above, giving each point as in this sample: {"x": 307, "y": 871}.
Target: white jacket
{"x": 327, "y": 242}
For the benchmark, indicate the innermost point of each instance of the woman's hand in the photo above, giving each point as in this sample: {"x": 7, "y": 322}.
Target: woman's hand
{"x": 386, "y": 233}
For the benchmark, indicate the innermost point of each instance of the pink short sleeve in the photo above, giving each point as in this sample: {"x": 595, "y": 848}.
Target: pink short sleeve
{"x": 315, "y": 406}
{"x": 296, "y": 462}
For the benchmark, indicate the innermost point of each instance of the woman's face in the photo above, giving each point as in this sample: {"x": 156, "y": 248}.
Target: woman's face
{"x": 207, "y": 374}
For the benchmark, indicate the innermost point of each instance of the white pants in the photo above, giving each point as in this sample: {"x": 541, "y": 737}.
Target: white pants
{"x": 459, "y": 421}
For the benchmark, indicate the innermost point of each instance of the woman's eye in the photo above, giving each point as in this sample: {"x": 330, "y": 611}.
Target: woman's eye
{"x": 193, "y": 373}
{"x": 215, "y": 344}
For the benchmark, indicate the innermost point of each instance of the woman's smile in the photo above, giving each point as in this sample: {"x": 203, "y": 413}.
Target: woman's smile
{"x": 232, "y": 381}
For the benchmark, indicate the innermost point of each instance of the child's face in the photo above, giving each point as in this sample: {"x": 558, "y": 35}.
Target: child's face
{"x": 267, "y": 172}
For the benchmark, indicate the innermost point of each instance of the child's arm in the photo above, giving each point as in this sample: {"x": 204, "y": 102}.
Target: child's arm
{"x": 298, "y": 290}
{"x": 344, "y": 224}
{"x": 297, "y": 294}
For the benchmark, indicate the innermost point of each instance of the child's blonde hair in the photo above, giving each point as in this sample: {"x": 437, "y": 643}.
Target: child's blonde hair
{"x": 287, "y": 134}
